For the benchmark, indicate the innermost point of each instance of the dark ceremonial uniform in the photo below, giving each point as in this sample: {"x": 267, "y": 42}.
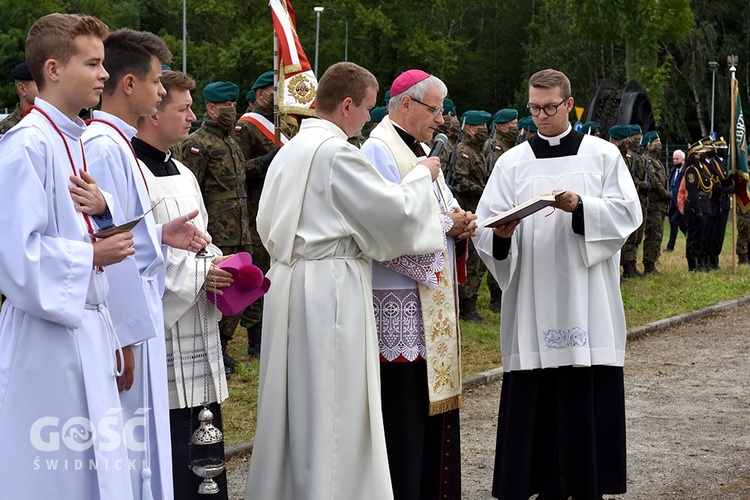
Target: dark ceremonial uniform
{"x": 698, "y": 209}
{"x": 216, "y": 159}
{"x": 722, "y": 188}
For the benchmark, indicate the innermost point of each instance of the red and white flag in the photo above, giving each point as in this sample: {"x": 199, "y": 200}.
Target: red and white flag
{"x": 297, "y": 82}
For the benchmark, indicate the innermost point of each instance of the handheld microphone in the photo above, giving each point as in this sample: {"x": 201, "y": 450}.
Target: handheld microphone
{"x": 440, "y": 141}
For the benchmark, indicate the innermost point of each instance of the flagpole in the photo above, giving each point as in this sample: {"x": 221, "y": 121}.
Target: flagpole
{"x": 733, "y": 155}
{"x": 276, "y": 117}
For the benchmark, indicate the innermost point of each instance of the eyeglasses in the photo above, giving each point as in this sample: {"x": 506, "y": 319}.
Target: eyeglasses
{"x": 549, "y": 109}
{"x": 436, "y": 110}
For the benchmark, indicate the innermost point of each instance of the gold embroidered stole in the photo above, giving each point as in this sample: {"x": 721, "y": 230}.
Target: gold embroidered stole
{"x": 441, "y": 328}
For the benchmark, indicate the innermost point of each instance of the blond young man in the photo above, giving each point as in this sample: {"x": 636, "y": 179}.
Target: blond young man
{"x": 61, "y": 430}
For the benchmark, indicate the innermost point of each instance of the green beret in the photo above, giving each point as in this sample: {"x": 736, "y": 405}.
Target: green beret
{"x": 505, "y": 115}
{"x": 21, "y": 72}
{"x": 476, "y": 117}
{"x": 387, "y": 96}
{"x": 527, "y": 123}
{"x": 377, "y": 114}
{"x": 166, "y": 67}
{"x": 449, "y": 107}
{"x": 221, "y": 92}
{"x": 649, "y": 137}
{"x": 591, "y": 126}
{"x": 635, "y": 129}
{"x": 619, "y": 132}
{"x": 263, "y": 80}
{"x": 250, "y": 97}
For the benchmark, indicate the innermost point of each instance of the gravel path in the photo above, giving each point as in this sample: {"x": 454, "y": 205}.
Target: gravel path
{"x": 688, "y": 415}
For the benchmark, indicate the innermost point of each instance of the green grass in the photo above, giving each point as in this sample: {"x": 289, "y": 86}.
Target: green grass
{"x": 647, "y": 299}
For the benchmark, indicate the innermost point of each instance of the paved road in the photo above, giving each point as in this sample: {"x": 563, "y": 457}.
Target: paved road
{"x": 688, "y": 414}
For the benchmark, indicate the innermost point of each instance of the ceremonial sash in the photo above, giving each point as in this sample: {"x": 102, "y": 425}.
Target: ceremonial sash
{"x": 264, "y": 125}
{"x": 439, "y": 307}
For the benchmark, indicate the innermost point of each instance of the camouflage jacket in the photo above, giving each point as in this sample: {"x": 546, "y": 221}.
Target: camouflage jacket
{"x": 471, "y": 172}
{"x": 11, "y": 120}
{"x": 219, "y": 165}
{"x": 503, "y": 142}
{"x": 658, "y": 196}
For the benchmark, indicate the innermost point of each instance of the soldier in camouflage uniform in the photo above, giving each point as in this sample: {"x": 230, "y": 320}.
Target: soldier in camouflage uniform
{"x": 450, "y": 128}
{"x": 592, "y": 128}
{"x": 219, "y": 165}
{"x": 626, "y": 138}
{"x": 254, "y": 132}
{"x": 658, "y": 203}
{"x": 471, "y": 177}
{"x": 503, "y": 136}
{"x": 27, "y": 92}
{"x": 526, "y": 129}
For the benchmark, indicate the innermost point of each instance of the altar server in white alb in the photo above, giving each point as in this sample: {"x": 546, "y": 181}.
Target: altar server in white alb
{"x": 323, "y": 212}
{"x": 133, "y": 60}
{"x": 561, "y": 428}
{"x": 194, "y": 359}
{"x": 61, "y": 430}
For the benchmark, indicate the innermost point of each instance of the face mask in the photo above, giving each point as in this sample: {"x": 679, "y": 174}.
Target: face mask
{"x": 656, "y": 149}
{"x": 445, "y": 127}
{"x": 481, "y": 135}
{"x": 513, "y": 130}
{"x": 227, "y": 118}
{"x": 267, "y": 100}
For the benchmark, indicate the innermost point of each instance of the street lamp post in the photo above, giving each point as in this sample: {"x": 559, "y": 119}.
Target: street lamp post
{"x": 346, "y": 32}
{"x": 317, "y": 10}
{"x": 713, "y": 66}
{"x": 184, "y": 36}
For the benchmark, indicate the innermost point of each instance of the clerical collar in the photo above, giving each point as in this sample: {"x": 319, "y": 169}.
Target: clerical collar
{"x": 411, "y": 142}
{"x": 158, "y": 162}
{"x": 555, "y": 141}
{"x": 566, "y": 144}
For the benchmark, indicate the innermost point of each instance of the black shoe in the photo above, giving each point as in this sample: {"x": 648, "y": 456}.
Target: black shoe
{"x": 630, "y": 271}
{"x": 229, "y": 362}
{"x": 495, "y": 305}
{"x": 471, "y": 315}
{"x": 669, "y": 249}
{"x": 253, "y": 352}
{"x": 650, "y": 269}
